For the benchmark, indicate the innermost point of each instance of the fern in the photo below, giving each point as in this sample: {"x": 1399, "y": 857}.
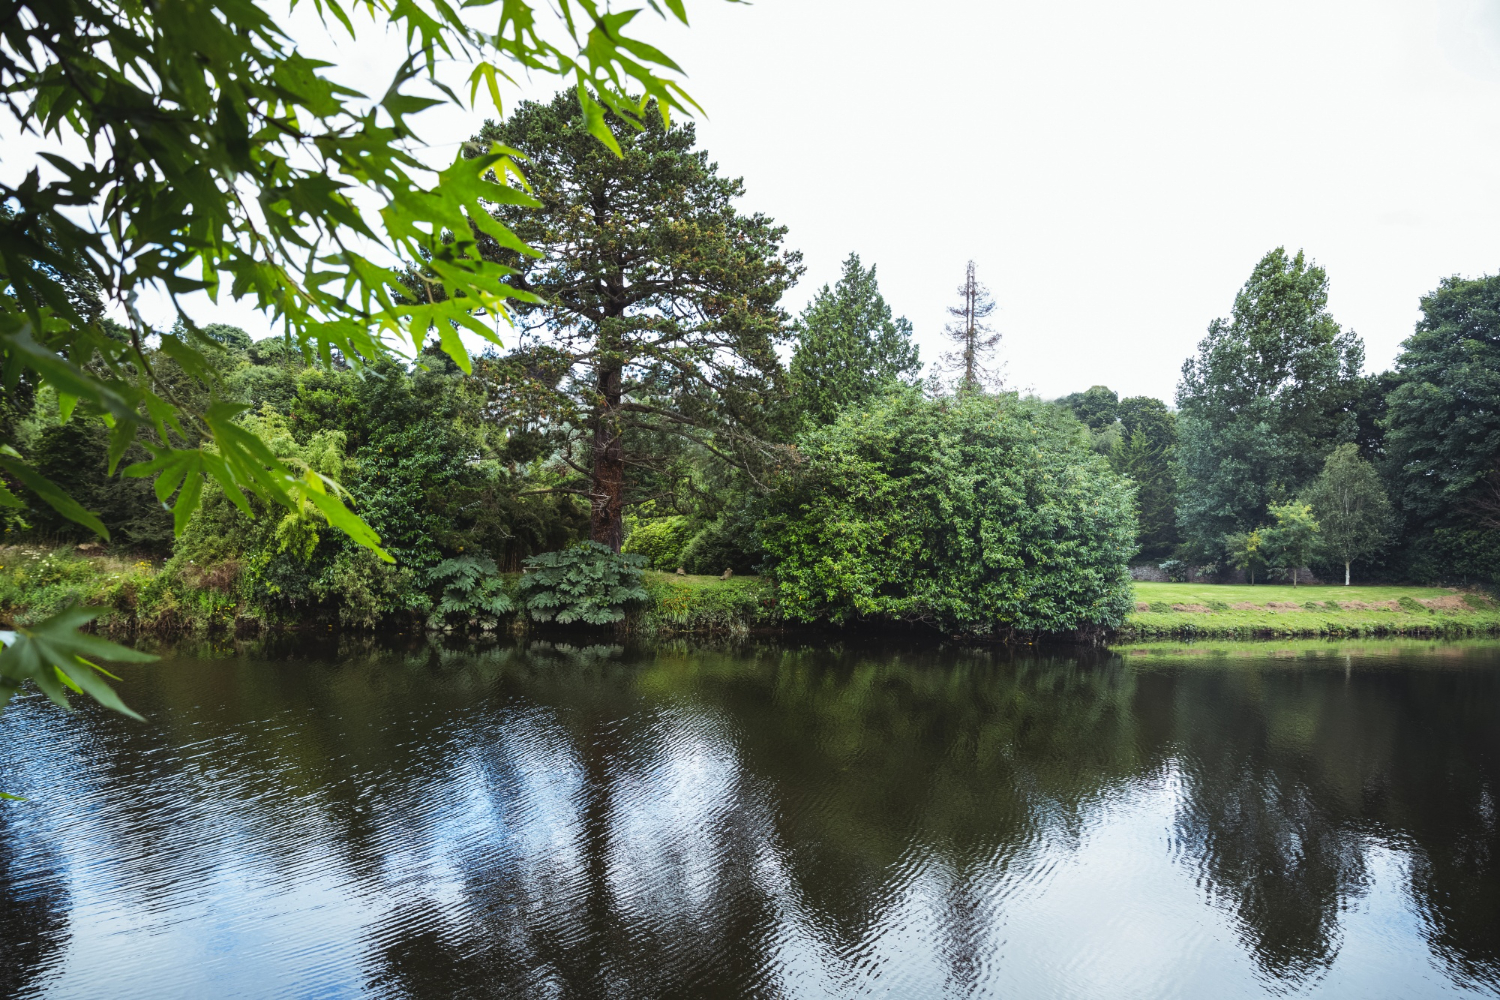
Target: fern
{"x": 586, "y": 583}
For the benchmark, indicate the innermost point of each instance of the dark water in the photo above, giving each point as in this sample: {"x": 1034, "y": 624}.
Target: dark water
{"x": 766, "y": 822}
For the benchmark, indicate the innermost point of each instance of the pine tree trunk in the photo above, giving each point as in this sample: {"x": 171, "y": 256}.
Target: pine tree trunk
{"x": 606, "y": 520}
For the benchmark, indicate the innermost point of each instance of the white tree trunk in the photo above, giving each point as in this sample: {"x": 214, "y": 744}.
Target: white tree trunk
{"x": 1346, "y": 572}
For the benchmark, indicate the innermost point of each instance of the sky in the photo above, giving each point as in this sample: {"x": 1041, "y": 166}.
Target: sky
{"x": 1115, "y": 171}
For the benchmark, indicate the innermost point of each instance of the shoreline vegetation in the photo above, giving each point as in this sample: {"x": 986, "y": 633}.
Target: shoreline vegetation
{"x": 146, "y": 598}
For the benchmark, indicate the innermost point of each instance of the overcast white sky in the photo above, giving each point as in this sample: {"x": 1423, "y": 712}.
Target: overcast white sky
{"x": 1114, "y": 170}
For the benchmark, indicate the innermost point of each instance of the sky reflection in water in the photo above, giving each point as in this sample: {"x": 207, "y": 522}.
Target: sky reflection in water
{"x": 806, "y": 821}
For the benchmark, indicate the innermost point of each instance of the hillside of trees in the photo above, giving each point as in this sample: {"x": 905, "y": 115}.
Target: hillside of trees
{"x": 658, "y": 400}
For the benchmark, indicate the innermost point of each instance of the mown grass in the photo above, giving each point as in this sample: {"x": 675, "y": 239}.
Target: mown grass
{"x": 1186, "y": 610}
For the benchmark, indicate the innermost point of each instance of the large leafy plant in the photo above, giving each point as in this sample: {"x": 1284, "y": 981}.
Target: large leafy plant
{"x": 984, "y": 515}
{"x": 473, "y": 590}
{"x": 588, "y": 583}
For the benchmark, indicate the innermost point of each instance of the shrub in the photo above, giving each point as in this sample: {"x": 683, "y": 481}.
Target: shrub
{"x": 727, "y": 542}
{"x": 661, "y": 540}
{"x": 472, "y": 591}
{"x": 977, "y": 514}
{"x": 587, "y": 583}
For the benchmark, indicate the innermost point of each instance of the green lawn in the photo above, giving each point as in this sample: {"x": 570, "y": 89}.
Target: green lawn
{"x": 1189, "y": 609}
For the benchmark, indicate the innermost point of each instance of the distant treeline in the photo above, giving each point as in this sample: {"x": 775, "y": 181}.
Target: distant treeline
{"x": 1399, "y": 471}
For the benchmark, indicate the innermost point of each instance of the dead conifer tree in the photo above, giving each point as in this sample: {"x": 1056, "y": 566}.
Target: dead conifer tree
{"x": 975, "y": 340}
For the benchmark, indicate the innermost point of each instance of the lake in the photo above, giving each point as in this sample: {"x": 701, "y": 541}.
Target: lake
{"x": 335, "y": 818}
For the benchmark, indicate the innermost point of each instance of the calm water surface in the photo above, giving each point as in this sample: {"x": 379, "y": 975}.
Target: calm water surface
{"x": 815, "y": 821}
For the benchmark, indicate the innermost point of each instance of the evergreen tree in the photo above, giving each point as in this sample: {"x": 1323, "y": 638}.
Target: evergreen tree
{"x": 1271, "y": 391}
{"x": 1350, "y": 505}
{"x": 1443, "y": 441}
{"x": 657, "y": 310}
{"x": 849, "y": 345}
{"x": 1146, "y": 451}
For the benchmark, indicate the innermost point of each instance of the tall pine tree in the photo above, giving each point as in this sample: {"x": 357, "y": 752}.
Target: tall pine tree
{"x": 657, "y": 309}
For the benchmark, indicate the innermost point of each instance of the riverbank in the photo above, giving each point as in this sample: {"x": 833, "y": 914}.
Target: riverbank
{"x": 144, "y": 597}
{"x": 1182, "y": 610}
{"x": 140, "y": 596}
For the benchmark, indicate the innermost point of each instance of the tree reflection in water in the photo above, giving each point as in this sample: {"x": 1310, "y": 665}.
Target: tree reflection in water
{"x": 681, "y": 821}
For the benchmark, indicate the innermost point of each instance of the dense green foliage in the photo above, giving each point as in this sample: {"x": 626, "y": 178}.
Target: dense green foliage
{"x": 473, "y": 591}
{"x": 849, "y": 347}
{"x": 977, "y": 514}
{"x": 1290, "y": 542}
{"x": 652, "y": 342}
{"x": 1269, "y": 393}
{"x": 589, "y": 583}
{"x": 1443, "y": 442}
{"x": 1098, "y": 406}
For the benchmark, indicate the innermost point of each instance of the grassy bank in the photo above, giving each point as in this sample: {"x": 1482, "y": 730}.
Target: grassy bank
{"x": 139, "y": 597}
{"x": 705, "y": 604}
{"x": 1186, "y": 610}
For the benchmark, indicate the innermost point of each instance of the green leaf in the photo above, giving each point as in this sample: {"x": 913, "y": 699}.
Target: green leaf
{"x": 54, "y": 655}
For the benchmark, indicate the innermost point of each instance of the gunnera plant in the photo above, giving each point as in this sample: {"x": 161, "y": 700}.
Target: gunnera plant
{"x": 473, "y": 591}
{"x": 587, "y": 583}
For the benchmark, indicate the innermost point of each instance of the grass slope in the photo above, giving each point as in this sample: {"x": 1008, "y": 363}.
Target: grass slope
{"x": 1185, "y": 609}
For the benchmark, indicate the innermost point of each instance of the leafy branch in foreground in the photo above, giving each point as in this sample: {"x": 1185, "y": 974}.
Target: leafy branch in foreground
{"x": 57, "y": 658}
{"x": 220, "y": 158}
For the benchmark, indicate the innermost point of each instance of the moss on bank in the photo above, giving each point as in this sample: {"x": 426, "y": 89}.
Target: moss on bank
{"x": 1171, "y": 610}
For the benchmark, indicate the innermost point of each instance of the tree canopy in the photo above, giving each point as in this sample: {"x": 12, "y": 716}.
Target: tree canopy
{"x": 220, "y": 158}
{"x": 1443, "y": 442}
{"x": 1350, "y": 505}
{"x": 657, "y": 303}
{"x": 1271, "y": 390}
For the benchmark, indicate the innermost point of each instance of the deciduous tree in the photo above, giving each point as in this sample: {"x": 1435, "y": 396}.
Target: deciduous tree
{"x": 1270, "y": 392}
{"x": 1290, "y": 542}
{"x": 1350, "y": 504}
{"x": 220, "y": 157}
